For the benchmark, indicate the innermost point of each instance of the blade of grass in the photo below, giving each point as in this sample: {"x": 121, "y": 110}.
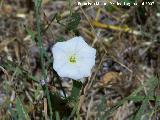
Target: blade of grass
{"x": 22, "y": 114}
{"x": 151, "y": 84}
{"x": 75, "y": 93}
{"x": 141, "y": 110}
{"x": 57, "y": 116}
{"x": 39, "y": 37}
{"x": 70, "y": 7}
{"x": 30, "y": 32}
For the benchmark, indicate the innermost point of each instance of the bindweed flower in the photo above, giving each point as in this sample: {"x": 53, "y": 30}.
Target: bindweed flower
{"x": 73, "y": 58}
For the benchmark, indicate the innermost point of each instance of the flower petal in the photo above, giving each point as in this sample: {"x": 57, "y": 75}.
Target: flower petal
{"x": 69, "y": 46}
{"x": 60, "y": 57}
{"x": 86, "y": 52}
{"x": 85, "y": 65}
{"x": 58, "y": 53}
{"x": 70, "y": 71}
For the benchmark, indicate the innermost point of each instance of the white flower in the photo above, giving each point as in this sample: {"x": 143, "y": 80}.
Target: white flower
{"x": 73, "y": 58}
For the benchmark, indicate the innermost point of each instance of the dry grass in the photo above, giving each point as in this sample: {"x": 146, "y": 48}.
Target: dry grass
{"x": 127, "y": 42}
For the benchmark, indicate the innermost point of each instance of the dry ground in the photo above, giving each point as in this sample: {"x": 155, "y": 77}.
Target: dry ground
{"x": 127, "y": 40}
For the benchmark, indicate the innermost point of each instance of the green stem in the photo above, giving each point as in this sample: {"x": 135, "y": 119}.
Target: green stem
{"x": 38, "y": 23}
{"x": 70, "y": 7}
{"x": 41, "y": 49}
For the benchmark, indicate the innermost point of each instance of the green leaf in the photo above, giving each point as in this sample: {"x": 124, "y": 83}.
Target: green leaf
{"x": 153, "y": 82}
{"x": 60, "y": 39}
{"x": 37, "y": 91}
{"x": 77, "y": 85}
{"x": 22, "y": 114}
{"x": 31, "y": 33}
{"x": 141, "y": 110}
{"x": 73, "y": 21}
{"x": 110, "y": 8}
{"x": 101, "y": 108}
{"x": 57, "y": 116}
{"x": 158, "y": 101}
{"x": 13, "y": 114}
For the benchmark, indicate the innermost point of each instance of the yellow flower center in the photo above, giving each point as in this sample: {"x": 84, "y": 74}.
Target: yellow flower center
{"x": 72, "y": 59}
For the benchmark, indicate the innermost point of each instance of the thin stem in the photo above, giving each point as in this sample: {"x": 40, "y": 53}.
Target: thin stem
{"x": 41, "y": 49}
{"x": 70, "y": 7}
